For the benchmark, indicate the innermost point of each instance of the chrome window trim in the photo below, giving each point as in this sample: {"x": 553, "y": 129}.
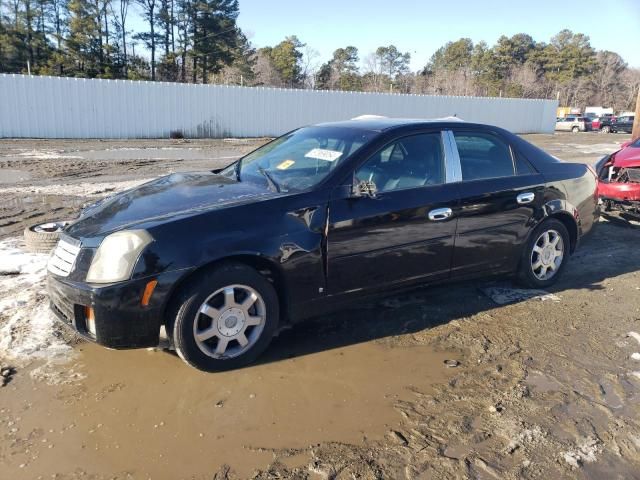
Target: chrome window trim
{"x": 453, "y": 170}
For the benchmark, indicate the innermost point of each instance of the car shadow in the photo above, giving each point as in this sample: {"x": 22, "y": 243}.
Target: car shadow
{"x": 604, "y": 254}
{"x": 622, "y": 219}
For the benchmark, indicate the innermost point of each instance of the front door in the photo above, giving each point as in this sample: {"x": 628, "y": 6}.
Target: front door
{"x": 406, "y": 231}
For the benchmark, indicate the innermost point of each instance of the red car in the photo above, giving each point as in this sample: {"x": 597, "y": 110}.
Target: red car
{"x": 619, "y": 179}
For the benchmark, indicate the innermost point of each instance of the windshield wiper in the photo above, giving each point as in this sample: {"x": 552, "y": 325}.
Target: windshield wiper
{"x": 272, "y": 184}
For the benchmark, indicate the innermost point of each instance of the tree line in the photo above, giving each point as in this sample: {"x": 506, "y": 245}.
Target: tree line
{"x": 199, "y": 41}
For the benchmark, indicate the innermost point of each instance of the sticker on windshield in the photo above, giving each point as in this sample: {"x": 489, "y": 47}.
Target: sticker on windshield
{"x": 286, "y": 164}
{"x": 322, "y": 154}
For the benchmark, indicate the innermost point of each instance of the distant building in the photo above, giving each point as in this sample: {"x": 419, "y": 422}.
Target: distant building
{"x": 597, "y": 111}
{"x": 562, "y": 112}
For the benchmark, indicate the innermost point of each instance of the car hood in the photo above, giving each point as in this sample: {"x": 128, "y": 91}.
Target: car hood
{"x": 163, "y": 198}
{"x": 627, "y": 157}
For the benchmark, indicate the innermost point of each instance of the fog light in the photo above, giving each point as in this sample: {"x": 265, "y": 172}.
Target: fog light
{"x": 90, "y": 320}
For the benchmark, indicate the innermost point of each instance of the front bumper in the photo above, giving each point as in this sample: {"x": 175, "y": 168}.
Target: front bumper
{"x": 617, "y": 191}
{"x": 120, "y": 319}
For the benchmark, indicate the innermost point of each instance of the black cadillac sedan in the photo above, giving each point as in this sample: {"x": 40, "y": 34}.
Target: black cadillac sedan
{"x": 316, "y": 218}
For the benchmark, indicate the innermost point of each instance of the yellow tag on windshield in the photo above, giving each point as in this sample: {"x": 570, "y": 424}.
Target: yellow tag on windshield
{"x": 286, "y": 164}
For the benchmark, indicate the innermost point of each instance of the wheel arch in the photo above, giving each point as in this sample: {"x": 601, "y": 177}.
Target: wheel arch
{"x": 571, "y": 225}
{"x": 563, "y": 211}
{"x": 263, "y": 265}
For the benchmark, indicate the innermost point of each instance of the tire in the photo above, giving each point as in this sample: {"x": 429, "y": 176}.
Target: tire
{"x": 532, "y": 277}
{"x": 575, "y": 129}
{"x": 227, "y": 321}
{"x": 42, "y": 240}
{"x": 605, "y": 129}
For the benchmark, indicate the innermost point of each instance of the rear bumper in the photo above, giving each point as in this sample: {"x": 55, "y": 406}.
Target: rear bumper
{"x": 120, "y": 319}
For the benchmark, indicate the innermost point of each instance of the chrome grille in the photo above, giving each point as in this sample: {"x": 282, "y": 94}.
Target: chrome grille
{"x": 64, "y": 257}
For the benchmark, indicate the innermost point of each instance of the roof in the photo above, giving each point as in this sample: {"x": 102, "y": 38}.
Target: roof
{"x": 378, "y": 123}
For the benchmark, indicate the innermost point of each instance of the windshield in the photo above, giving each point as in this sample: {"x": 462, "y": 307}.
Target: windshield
{"x": 300, "y": 159}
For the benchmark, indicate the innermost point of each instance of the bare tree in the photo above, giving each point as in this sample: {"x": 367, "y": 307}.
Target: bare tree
{"x": 121, "y": 22}
{"x": 266, "y": 73}
{"x": 57, "y": 11}
{"x": 373, "y": 73}
{"x": 149, "y": 12}
{"x": 309, "y": 66}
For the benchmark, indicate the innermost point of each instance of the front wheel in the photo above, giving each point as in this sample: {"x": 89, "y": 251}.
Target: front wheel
{"x": 545, "y": 254}
{"x": 225, "y": 318}
{"x": 606, "y": 129}
{"x": 575, "y": 129}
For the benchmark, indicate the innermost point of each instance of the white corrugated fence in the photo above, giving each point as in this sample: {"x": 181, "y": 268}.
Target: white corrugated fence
{"x": 57, "y": 107}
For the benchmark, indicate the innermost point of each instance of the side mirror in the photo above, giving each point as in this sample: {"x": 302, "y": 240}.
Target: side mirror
{"x": 363, "y": 188}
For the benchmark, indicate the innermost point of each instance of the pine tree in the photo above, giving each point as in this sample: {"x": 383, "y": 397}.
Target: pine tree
{"x": 83, "y": 44}
{"x": 215, "y": 35}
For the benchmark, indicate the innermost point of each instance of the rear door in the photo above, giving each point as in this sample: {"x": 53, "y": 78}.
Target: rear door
{"x": 561, "y": 124}
{"x": 406, "y": 231}
{"x": 500, "y": 193}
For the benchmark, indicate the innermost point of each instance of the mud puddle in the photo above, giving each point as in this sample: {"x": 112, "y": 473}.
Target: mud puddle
{"x": 139, "y": 411}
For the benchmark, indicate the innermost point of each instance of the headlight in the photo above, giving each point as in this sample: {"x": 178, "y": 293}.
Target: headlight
{"x": 116, "y": 256}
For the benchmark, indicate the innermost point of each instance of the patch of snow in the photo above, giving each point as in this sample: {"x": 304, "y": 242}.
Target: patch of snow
{"x": 635, "y": 335}
{"x": 503, "y": 295}
{"x": 79, "y": 189}
{"x": 55, "y": 372}
{"x": 47, "y": 154}
{"x": 635, "y": 356}
{"x": 586, "y": 452}
{"x": 602, "y": 148}
{"x": 28, "y": 330}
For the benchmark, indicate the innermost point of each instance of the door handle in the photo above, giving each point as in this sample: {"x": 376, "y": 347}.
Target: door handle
{"x": 440, "y": 214}
{"x": 525, "y": 198}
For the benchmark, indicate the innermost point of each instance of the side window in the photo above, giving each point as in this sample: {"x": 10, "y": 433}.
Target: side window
{"x": 410, "y": 162}
{"x": 523, "y": 167}
{"x": 483, "y": 156}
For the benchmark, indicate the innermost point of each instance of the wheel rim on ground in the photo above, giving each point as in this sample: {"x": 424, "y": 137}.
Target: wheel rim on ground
{"x": 229, "y": 322}
{"x": 50, "y": 227}
{"x": 547, "y": 255}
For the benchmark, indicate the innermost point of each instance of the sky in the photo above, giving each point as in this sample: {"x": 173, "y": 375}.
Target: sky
{"x": 421, "y": 27}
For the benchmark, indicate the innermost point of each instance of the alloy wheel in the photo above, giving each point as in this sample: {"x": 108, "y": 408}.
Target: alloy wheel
{"x": 229, "y": 322}
{"x": 547, "y": 255}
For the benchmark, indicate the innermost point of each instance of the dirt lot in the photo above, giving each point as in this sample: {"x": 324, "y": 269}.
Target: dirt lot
{"x": 547, "y": 386}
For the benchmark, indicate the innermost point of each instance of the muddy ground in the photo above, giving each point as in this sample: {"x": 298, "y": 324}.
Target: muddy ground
{"x": 544, "y": 387}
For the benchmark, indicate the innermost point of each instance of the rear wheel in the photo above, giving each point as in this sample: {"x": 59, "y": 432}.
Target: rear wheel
{"x": 575, "y": 129}
{"x": 545, "y": 254}
{"x": 225, "y": 318}
{"x": 606, "y": 129}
